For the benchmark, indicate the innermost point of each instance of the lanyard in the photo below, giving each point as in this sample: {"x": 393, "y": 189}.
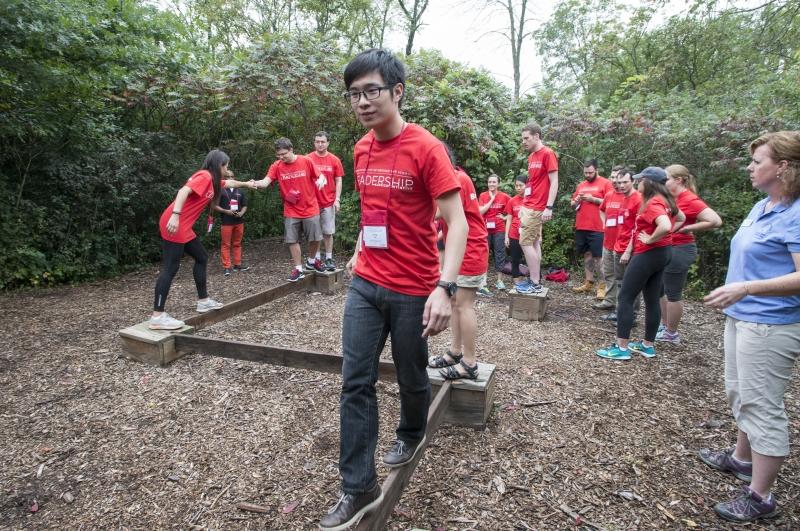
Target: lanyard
{"x": 391, "y": 174}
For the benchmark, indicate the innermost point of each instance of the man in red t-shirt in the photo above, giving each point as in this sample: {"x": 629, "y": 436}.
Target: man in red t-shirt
{"x": 589, "y": 228}
{"x": 537, "y": 203}
{"x": 298, "y": 181}
{"x": 609, "y": 210}
{"x": 328, "y": 196}
{"x": 402, "y": 174}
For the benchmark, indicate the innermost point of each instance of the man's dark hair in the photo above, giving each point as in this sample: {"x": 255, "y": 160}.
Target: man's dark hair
{"x": 376, "y": 60}
{"x": 590, "y": 162}
{"x": 534, "y": 129}
{"x": 618, "y": 167}
{"x": 322, "y": 133}
{"x": 626, "y": 171}
{"x": 522, "y": 178}
{"x": 283, "y": 143}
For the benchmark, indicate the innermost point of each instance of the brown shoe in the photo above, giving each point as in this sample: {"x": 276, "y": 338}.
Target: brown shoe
{"x": 601, "y": 291}
{"x": 587, "y": 285}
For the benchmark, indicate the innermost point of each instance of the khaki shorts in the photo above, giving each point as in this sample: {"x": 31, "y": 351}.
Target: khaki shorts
{"x": 295, "y": 227}
{"x": 473, "y": 281}
{"x": 530, "y": 230}
{"x": 327, "y": 219}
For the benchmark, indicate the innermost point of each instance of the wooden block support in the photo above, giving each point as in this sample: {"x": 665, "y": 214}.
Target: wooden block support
{"x": 470, "y": 400}
{"x": 328, "y": 282}
{"x": 527, "y": 306}
{"x": 155, "y": 347}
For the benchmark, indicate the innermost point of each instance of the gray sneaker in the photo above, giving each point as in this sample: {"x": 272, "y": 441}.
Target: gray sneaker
{"x": 208, "y": 305}
{"x": 723, "y": 461}
{"x": 164, "y": 322}
{"x": 401, "y": 453}
{"x": 747, "y": 507}
{"x": 350, "y": 508}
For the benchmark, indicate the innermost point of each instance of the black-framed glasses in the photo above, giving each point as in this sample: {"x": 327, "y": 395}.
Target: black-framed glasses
{"x": 371, "y": 93}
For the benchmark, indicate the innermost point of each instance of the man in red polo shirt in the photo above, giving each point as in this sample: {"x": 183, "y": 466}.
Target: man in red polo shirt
{"x": 328, "y": 196}
{"x": 537, "y": 204}
{"x": 609, "y": 210}
{"x": 297, "y": 180}
{"x": 586, "y": 201}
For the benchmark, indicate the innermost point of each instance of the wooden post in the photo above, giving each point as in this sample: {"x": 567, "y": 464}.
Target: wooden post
{"x": 471, "y": 401}
{"x": 154, "y": 347}
{"x": 527, "y": 306}
{"x": 328, "y": 282}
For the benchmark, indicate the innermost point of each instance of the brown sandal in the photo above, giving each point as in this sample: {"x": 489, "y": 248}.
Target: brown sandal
{"x": 440, "y": 362}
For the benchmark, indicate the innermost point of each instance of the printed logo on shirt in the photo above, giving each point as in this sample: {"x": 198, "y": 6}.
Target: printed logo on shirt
{"x": 473, "y": 196}
{"x": 535, "y": 165}
{"x": 293, "y": 175}
{"x": 324, "y": 167}
{"x": 383, "y": 178}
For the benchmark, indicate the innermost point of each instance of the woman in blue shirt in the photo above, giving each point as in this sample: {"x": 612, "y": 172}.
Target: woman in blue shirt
{"x": 761, "y": 299}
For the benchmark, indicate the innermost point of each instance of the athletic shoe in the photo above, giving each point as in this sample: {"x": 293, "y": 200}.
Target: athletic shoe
{"x": 587, "y": 285}
{"x": 536, "y": 288}
{"x": 665, "y": 336}
{"x": 612, "y": 317}
{"x": 401, "y": 453}
{"x": 604, "y": 305}
{"x": 523, "y": 287}
{"x": 661, "y": 327}
{"x": 500, "y": 285}
{"x": 350, "y": 508}
{"x": 309, "y": 264}
{"x": 318, "y": 267}
{"x": 226, "y": 272}
{"x": 640, "y": 348}
{"x": 724, "y": 461}
{"x": 164, "y": 322}
{"x": 614, "y": 352}
{"x": 747, "y": 507}
{"x": 208, "y": 305}
{"x": 241, "y": 268}
{"x": 330, "y": 265}
{"x": 484, "y": 292}
{"x": 295, "y": 275}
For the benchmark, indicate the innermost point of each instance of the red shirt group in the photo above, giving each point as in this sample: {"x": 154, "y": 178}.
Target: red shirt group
{"x": 476, "y": 252}
{"x": 587, "y": 216}
{"x": 297, "y": 184}
{"x": 331, "y": 167}
{"x": 626, "y": 220}
{"x": 202, "y": 192}
{"x": 540, "y": 164}
{"x": 495, "y": 223}
{"x": 512, "y": 209}
{"x": 646, "y": 222}
{"x": 691, "y": 206}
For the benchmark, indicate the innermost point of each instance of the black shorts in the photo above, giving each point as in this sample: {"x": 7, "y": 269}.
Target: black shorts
{"x": 587, "y": 240}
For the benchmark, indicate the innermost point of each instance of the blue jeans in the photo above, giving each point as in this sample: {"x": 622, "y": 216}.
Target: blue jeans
{"x": 497, "y": 247}
{"x": 371, "y": 313}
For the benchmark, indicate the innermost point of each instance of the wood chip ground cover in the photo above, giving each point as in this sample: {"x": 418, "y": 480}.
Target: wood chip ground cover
{"x": 91, "y": 440}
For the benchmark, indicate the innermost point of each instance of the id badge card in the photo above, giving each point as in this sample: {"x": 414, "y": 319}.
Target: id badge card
{"x": 527, "y": 191}
{"x": 210, "y": 223}
{"x": 490, "y": 224}
{"x": 611, "y": 222}
{"x": 620, "y": 219}
{"x": 375, "y": 233}
{"x": 234, "y": 205}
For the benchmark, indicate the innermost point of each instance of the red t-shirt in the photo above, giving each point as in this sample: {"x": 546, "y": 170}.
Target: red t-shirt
{"x": 512, "y": 209}
{"x": 331, "y": 167}
{"x": 540, "y": 164}
{"x": 691, "y": 206}
{"x": 587, "y": 216}
{"x": 476, "y": 254}
{"x": 625, "y": 224}
{"x": 612, "y": 207}
{"x": 202, "y": 192}
{"x": 494, "y": 216}
{"x": 402, "y": 177}
{"x": 646, "y": 222}
{"x": 297, "y": 185}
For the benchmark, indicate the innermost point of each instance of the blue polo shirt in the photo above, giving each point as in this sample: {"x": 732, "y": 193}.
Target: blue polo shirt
{"x": 761, "y": 250}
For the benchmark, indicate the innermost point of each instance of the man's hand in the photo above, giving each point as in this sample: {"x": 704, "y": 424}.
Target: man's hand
{"x": 436, "y": 316}
{"x": 351, "y": 264}
{"x": 625, "y": 258}
{"x": 507, "y": 242}
{"x": 547, "y": 214}
{"x": 337, "y": 205}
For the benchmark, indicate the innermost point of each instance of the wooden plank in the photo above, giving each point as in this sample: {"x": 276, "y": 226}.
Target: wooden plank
{"x": 286, "y": 357}
{"x": 231, "y": 309}
{"x": 398, "y": 478}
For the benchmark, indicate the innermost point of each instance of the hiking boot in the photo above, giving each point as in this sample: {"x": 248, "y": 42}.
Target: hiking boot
{"x": 724, "y": 461}
{"x": 350, "y": 508}
{"x": 587, "y": 285}
{"x": 614, "y": 352}
{"x": 164, "y": 322}
{"x": 484, "y": 292}
{"x": 665, "y": 336}
{"x": 226, "y": 272}
{"x": 640, "y": 348}
{"x": 747, "y": 507}
{"x": 601, "y": 291}
{"x": 604, "y": 305}
{"x": 208, "y": 305}
{"x": 500, "y": 285}
{"x": 611, "y": 317}
{"x": 241, "y": 268}
{"x": 330, "y": 265}
{"x": 295, "y": 275}
{"x": 401, "y": 453}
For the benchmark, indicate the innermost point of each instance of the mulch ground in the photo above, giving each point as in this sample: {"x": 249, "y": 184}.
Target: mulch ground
{"x": 91, "y": 440}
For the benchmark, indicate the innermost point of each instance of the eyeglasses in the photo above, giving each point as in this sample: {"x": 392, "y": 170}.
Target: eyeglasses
{"x": 371, "y": 93}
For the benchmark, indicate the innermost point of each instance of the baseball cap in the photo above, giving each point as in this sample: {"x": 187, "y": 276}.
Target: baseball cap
{"x": 654, "y": 173}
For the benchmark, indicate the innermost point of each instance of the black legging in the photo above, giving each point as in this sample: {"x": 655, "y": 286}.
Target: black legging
{"x": 645, "y": 274}
{"x": 171, "y": 262}
{"x": 516, "y": 257}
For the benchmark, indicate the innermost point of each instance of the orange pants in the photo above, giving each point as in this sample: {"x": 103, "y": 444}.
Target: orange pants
{"x": 232, "y": 238}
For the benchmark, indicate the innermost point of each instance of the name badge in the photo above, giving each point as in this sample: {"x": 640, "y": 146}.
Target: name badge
{"x": 620, "y": 219}
{"x": 375, "y": 234}
{"x": 234, "y": 205}
{"x": 490, "y": 224}
{"x": 747, "y": 222}
{"x": 611, "y": 222}
{"x": 527, "y": 191}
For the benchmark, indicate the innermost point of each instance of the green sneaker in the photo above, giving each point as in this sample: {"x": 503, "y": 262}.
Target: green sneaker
{"x": 484, "y": 292}
{"x": 614, "y": 352}
{"x": 641, "y": 348}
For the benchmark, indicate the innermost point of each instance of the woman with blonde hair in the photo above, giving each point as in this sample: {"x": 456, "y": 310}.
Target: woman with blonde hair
{"x": 699, "y": 217}
{"x": 761, "y": 299}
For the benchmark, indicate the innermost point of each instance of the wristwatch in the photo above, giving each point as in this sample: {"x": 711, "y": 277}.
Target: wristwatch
{"x": 449, "y": 287}
{"x": 549, "y": 207}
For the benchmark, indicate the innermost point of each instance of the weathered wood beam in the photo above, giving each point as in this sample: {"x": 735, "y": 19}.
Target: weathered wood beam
{"x": 398, "y": 478}
{"x": 260, "y": 353}
{"x": 231, "y": 309}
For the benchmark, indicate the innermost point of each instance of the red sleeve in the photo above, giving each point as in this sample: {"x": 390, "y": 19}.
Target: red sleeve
{"x": 200, "y": 183}
{"x": 272, "y": 173}
{"x": 312, "y": 170}
{"x": 655, "y": 207}
{"x": 438, "y": 173}
{"x": 604, "y": 204}
{"x": 577, "y": 191}
{"x": 550, "y": 162}
{"x": 339, "y": 170}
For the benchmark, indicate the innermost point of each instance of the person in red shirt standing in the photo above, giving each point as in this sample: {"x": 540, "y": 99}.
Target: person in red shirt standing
{"x": 460, "y": 360}
{"x": 589, "y": 228}
{"x": 492, "y": 207}
{"x": 298, "y": 181}
{"x": 513, "y": 207}
{"x": 649, "y": 252}
{"x": 328, "y": 196}
{"x": 609, "y": 210}
{"x": 538, "y": 201}
{"x": 402, "y": 174}
{"x": 699, "y": 217}
{"x": 178, "y": 237}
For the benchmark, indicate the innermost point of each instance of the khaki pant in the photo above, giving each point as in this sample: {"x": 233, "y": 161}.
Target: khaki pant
{"x": 608, "y": 275}
{"x": 530, "y": 230}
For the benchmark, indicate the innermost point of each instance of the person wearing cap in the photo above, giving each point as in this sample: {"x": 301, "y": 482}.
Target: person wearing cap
{"x": 648, "y": 252}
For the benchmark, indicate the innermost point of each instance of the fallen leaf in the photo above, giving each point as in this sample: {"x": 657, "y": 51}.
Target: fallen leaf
{"x": 34, "y": 506}
{"x": 290, "y": 507}
{"x": 690, "y": 523}
{"x": 500, "y": 484}
{"x": 68, "y": 497}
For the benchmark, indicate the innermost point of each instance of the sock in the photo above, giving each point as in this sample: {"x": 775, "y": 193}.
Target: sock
{"x": 328, "y": 256}
{"x": 316, "y": 256}
{"x": 299, "y": 268}
{"x": 739, "y": 461}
